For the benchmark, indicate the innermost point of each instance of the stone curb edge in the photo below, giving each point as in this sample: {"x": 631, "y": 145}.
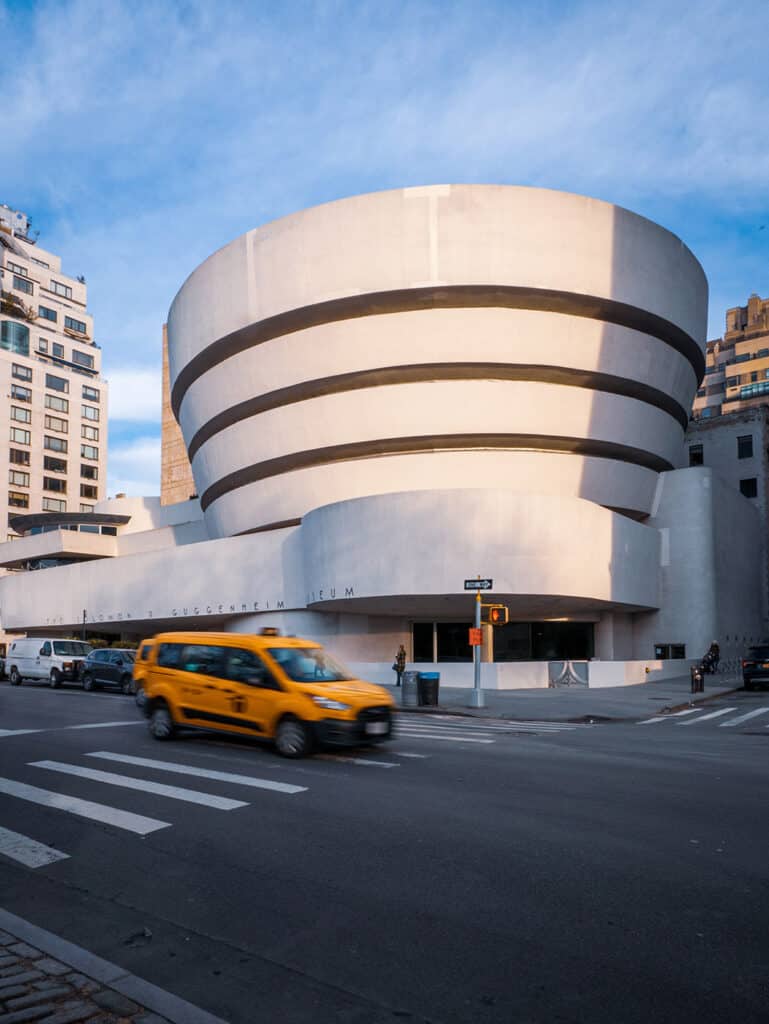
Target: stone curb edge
{"x": 165, "y": 1004}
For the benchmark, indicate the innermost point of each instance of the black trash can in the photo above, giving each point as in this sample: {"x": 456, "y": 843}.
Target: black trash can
{"x": 427, "y": 685}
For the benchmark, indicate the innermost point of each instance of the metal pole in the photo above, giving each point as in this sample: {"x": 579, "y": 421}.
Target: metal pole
{"x": 476, "y": 697}
{"x": 82, "y": 634}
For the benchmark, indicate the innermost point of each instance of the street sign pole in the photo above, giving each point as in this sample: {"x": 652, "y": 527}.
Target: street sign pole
{"x": 476, "y": 697}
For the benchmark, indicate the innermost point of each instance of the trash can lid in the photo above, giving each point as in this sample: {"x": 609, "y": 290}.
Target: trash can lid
{"x": 429, "y": 675}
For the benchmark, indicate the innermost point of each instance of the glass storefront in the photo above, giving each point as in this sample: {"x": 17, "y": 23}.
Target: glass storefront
{"x": 517, "y": 641}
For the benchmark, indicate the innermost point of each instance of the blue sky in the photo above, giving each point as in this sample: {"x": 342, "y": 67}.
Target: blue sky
{"x": 142, "y": 136}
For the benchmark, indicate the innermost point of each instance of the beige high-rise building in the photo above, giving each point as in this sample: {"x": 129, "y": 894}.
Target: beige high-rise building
{"x": 737, "y": 365}
{"x": 54, "y": 458}
{"x": 176, "y": 482}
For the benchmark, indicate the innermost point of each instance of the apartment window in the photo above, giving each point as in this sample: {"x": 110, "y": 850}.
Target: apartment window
{"x": 745, "y": 447}
{"x": 89, "y": 412}
{"x": 89, "y": 433}
{"x": 701, "y": 392}
{"x": 54, "y": 465}
{"x": 749, "y": 487}
{"x": 753, "y": 376}
{"x": 53, "y": 483}
{"x": 18, "y": 499}
{"x": 23, "y": 285}
{"x": 55, "y": 444}
{"x": 47, "y": 314}
{"x": 16, "y": 476}
{"x": 86, "y": 508}
{"x": 57, "y": 424}
{"x": 89, "y": 491}
{"x": 17, "y": 269}
{"x": 54, "y": 402}
{"x": 18, "y": 457}
{"x": 74, "y": 325}
{"x": 57, "y": 350}
{"x": 695, "y": 455}
{"x": 82, "y": 359}
{"x": 109, "y": 531}
{"x": 89, "y": 472}
{"x": 87, "y": 451}
{"x": 54, "y": 505}
{"x": 19, "y": 436}
{"x": 42, "y": 344}
{"x": 61, "y": 289}
{"x": 14, "y": 337}
{"x": 21, "y": 372}
{"x": 90, "y": 394}
{"x": 56, "y": 383}
{"x": 732, "y": 382}
{"x": 20, "y": 394}
{"x": 21, "y": 415}
{"x": 40, "y": 263}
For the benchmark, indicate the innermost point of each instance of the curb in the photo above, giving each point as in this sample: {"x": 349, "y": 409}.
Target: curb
{"x": 158, "y": 1000}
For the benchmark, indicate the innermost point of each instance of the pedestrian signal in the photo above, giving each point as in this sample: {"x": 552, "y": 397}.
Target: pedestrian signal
{"x": 497, "y": 615}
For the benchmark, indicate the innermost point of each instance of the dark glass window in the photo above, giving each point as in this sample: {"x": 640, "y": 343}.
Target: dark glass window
{"x": 696, "y": 456}
{"x": 89, "y": 472}
{"x": 422, "y": 641}
{"x": 90, "y": 394}
{"x": 82, "y": 359}
{"x": 745, "y": 447}
{"x": 513, "y": 642}
{"x": 15, "y": 338}
{"x": 57, "y": 350}
{"x": 23, "y": 286}
{"x": 245, "y": 667}
{"x": 169, "y": 655}
{"x": 202, "y": 659}
{"x": 53, "y": 483}
{"x": 55, "y": 444}
{"x": 749, "y": 487}
{"x": 54, "y": 465}
{"x": 74, "y": 325}
{"x": 553, "y": 641}
{"x": 21, "y": 394}
{"x": 19, "y": 457}
{"x": 89, "y": 491}
{"x": 47, "y": 314}
{"x": 21, "y": 372}
{"x": 453, "y": 641}
{"x": 56, "y": 383}
{"x": 110, "y": 531}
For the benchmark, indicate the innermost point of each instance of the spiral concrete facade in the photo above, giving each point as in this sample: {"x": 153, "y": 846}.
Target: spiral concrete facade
{"x": 432, "y": 338}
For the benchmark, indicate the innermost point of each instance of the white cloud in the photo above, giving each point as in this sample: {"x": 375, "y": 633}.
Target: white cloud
{"x": 134, "y": 467}
{"x": 135, "y": 394}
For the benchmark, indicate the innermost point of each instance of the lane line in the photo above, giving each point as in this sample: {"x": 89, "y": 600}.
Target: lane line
{"x": 448, "y": 739}
{"x": 402, "y": 753}
{"x": 705, "y": 718}
{"x": 137, "y": 823}
{"x": 100, "y": 725}
{"x": 28, "y": 851}
{"x": 742, "y": 718}
{"x": 357, "y": 760}
{"x": 190, "y": 796}
{"x": 18, "y": 732}
{"x": 203, "y": 773}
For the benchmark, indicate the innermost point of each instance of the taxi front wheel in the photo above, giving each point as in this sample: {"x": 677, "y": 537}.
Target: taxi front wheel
{"x": 292, "y": 738}
{"x": 161, "y": 725}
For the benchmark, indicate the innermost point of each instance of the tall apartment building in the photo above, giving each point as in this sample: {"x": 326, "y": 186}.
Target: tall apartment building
{"x": 54, "y": 421}
{"x": 737, "y": 365}
{"x": 176, "y": 482}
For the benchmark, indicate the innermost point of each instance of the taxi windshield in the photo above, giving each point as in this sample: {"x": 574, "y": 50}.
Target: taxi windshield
{"x": 308, "y": 664}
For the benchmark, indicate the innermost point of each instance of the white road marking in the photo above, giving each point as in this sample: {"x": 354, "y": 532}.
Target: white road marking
{"x": 203, "y": 773}
{"x": 190, "y": 796}
{"x": 742, "y": 718}
{"x": 100, "y": 725}
{"x": 83, "y": 808}
{"x": 17, "y": 732}
{"x": 358, "y": 760}
{"x": 28, "y": 851}
{"x": 705, "y": 718}
{"x": 664, "y": 718}
{"x": 449, "y": 739}
{"x": 439, "y": 730}
{"x": 402, "y": 753}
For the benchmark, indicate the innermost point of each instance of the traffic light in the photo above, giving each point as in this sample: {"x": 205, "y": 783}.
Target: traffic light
{"x": 497, "y": 615}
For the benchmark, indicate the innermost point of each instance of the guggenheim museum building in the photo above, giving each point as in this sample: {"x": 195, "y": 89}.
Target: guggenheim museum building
{"x": 385, "y": 396}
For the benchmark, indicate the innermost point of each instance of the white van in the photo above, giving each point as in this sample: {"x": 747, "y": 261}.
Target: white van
{"x": 36, "y": 657}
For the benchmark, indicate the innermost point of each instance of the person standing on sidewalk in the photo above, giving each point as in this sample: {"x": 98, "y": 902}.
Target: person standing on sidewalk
{"x": 399, "y": 665}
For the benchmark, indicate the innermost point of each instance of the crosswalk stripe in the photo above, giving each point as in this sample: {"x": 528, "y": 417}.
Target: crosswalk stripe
{"x": 190, "y": 796}
{"x": 664, "y": 718}
{"x": 705, "y": 718}
{"x": 83, "y": 808}
{"x": 28, "y": 851}
{"x": 449, "y": 739}
{"x": 17, "y": 732}
{"x": 101, "y": 725}
{"x": 422, "y": 757}
{"x": 742, "y": 718}
{"x": 358, "y": 760}
{"x": 203, "y": 773}
{"x": 414, "y": 730}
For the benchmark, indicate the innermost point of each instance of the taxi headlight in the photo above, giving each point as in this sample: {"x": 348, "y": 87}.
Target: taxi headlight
{"x": 329, "y": 704}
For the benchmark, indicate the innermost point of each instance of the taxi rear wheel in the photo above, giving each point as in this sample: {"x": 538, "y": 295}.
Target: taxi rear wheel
{"x": 292, "y": 738}
{"x": 161, "y": 724}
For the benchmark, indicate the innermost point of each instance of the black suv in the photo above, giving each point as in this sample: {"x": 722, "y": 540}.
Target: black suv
{"x": 755, "y": 667}
{"x": 109, "y": 667}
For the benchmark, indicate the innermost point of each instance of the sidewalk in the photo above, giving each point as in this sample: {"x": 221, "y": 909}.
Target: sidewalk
{"x": 46, "y": 980}
{"x": 615, "y": 703}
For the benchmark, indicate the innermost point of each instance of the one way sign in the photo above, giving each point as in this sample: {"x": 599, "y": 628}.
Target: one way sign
{"x": 479, "y": 584}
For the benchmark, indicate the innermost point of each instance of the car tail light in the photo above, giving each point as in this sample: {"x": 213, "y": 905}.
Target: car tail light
{"x": 747, "y": 664}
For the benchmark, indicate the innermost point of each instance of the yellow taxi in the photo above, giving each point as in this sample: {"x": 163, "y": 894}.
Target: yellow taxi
{"x": 278, "y": 688}
{"x": 140, "y": 671}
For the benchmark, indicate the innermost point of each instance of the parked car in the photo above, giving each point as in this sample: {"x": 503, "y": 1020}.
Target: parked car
{"x": 110, "y": 666}
{"x": 35, "y": 657}
{"x": 755, "y": 667}
{"x": 283, "y": 689}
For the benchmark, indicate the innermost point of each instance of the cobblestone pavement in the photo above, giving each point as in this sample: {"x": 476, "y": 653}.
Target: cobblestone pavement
{"x": 36, "y": 988}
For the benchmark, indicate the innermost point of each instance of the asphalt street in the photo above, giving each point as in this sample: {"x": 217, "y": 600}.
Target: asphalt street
{"x": 467, "y": 871}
